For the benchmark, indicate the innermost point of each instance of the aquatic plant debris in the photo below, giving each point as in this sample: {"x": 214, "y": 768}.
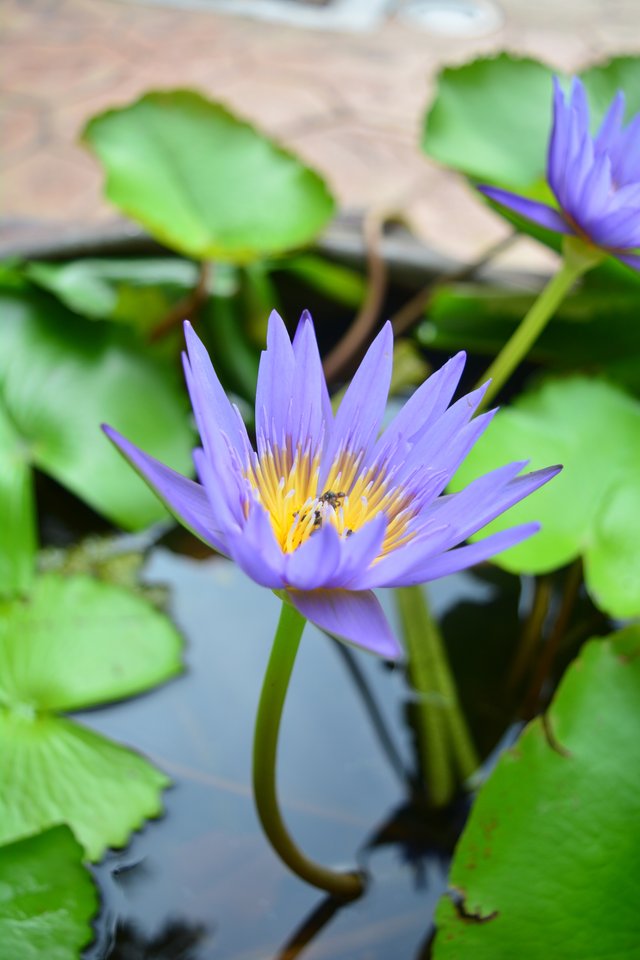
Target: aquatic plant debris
{"x": 596, "y": 180}
{"x": 324, "y": 509}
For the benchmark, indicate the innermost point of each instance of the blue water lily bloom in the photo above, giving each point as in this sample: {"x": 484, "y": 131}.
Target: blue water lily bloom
{"x": 325, "y": 509}
{"x": 595, "y": 179}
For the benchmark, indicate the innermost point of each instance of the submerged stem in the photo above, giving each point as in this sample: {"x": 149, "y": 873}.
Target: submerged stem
{"x": 265, "y": 747}
{"x": 447, "y": 751}
{"x": 578, "y": 258}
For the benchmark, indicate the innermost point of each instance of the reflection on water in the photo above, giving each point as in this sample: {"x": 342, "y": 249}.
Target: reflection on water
{"x": 203, "y": 882}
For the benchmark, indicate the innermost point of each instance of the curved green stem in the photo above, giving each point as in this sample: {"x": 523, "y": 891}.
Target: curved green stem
{"x": 265, "y": 747}
{"x": 578, "y": 258}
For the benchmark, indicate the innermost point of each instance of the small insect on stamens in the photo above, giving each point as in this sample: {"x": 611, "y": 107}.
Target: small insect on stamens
{"x": 332, "y": 499}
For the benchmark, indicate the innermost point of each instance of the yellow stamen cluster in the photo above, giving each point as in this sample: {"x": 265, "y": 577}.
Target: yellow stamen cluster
{"x": 287, "y": 485}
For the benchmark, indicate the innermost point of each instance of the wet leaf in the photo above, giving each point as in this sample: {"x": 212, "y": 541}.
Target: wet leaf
{"x": 47, "y": 898}
{"x": 17, "y": 509}
{"x": 77, "y": 642}
{"x": 545, "y": 862}
{"x": 61, "y": 377}
{"x": 204, "y": 182}
{"x": 57, "y": 771}
{"x": 593, "y": 429}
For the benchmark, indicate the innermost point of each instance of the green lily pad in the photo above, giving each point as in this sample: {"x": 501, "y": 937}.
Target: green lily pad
{"x": 545, "y": 863}
{"x": 77, "y": 642}
{"x": 204, "y": 182}
{"x": 18, "y": 540}
{"x": 47, "y": 898}
{"x": 60, "y": 377}
{"x": 593, "y": 429}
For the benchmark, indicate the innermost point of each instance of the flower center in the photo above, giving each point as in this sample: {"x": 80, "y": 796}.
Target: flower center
{"x": 287, "y": 486}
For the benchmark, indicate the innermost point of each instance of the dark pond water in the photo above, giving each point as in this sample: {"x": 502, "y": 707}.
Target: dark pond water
{"x": 202, "y": 882}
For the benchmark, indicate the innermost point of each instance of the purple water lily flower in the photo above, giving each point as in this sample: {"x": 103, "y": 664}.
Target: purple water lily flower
{"x": 596, "y": 180}
{"x": 325, "y": 509}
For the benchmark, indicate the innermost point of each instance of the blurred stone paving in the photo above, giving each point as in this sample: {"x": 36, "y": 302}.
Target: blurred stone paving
{"x": 350, "y": 103}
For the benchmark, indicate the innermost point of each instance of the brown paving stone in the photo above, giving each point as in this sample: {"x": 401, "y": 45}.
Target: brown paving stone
{"x": 351, "y": 104}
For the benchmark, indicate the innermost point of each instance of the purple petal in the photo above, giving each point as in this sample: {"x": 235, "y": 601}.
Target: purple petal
{"x": 451, "y": 519}
{"x": 354, "y": 616}
{"x": 558, "y": 141}
{"x": 358, "y": 420}
{"x": 274, "y": 390}
{"x": 579, "y": 103}
{"x": 611, "y": 124}
{"x": 361, "y": 549}
{"x": 631, "y": 259}
{"x": 449, "y": 438}
{"x": 311, "y": 404}
{"x": 226, "y": 490}
{"x": 539, "y": 213}
{"x": 423, "y": 408}
{"x": 186, "y": 500}
{"x": 213, "y": 411}
{"x": 256, "y": 551}
{"x": 463, "y": 557}
{"x": 315, "y": 562}
{"x": 486, "y": 498}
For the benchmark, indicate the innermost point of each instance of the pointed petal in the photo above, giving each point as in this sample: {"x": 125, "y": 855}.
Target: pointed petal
{"x": 315, "y": 562}
{"x": 274, "y": 389}
{"x": 358, "y": 420}
{"x": 360, "y": 550}
{"x": 213, "y": 411}
{"x": 256, "y": 551}
{"x": 353, "y": 616}
{"x": 311, "y": 404}
{"x": 539, "y": 213}
{"x": 558, "y": 141}
{"x": 463, "y": 557}
{"x": 631, "y": 259}
{"x": 423, "y": 408}
{"x": 611, "y": 124}
{"x": 186, "y": 500}
{"x": 488, "y": 497}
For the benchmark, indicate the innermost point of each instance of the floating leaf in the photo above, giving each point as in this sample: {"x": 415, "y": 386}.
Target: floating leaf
{"x": 17, "y": 509}
{"x": 203, "y": 181}
{"x": 593, "y": 429}
{"x": 47, "y": 898}
{"x": 544, "y": 864}
{"x": 491, "y": 120}
{"x": 77, "y": 642}
{"x": 61, "y": 377}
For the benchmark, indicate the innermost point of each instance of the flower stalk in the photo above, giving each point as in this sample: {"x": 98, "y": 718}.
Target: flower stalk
{"x": 578, "y": 257}
{"x": 346, "y": 886}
